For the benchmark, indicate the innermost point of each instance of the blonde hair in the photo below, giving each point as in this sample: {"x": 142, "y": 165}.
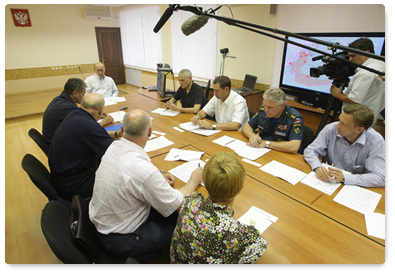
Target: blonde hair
{"x": 223, "y": 176}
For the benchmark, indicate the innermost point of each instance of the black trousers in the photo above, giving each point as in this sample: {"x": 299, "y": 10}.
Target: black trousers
{"x": 74, "y": 183}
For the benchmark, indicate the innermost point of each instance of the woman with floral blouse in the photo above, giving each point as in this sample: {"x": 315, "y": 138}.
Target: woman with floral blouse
{"x": 206, "y": 231}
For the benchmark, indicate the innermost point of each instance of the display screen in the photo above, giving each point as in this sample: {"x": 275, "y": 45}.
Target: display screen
{"x": 297, "y": 61}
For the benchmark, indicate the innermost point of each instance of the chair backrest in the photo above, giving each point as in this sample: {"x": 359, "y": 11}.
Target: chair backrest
{"x": 208, "y": 89}
{"x": 251, "y": 113}
{"x": 308, "y": 137}
{"x": 39, "y": 175}
{"x": 56, "y": 230}
{"x": 38, "y": 138}
{"x": 84, "y": 232}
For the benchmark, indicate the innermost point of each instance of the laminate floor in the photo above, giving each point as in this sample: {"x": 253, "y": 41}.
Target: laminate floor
{"x": 24, "y": 241}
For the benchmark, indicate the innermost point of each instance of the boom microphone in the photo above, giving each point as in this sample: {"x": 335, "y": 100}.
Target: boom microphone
{"x": 166, "y": 15}
{"x": 193, "y": 24}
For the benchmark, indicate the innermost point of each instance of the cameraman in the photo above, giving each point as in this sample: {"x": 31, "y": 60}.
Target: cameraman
{"x": 365, "y": 87}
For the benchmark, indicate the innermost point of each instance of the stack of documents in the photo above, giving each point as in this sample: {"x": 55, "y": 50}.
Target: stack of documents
{"x": 194, "y": 128}
{"x": 283, "y": 171}
{"x": 258, "y": 218}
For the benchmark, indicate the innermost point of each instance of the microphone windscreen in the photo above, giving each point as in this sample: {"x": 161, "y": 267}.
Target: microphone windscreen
{"x": 194, "y": 23}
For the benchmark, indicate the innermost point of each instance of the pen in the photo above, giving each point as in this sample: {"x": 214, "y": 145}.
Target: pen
{"x": 315, "y": 199}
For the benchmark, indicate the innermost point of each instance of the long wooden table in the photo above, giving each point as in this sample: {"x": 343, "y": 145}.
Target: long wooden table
{"x": 322, "y": 232}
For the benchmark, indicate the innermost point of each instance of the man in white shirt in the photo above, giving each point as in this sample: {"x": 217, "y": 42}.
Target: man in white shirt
{"x": 365, "y": 87}
{"x": 229, "y": 108}
{"x": 133, "y": 205}
{"x": 100, "y": 83}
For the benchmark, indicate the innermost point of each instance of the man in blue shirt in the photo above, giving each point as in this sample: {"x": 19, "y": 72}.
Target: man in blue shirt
{"x": 62, "y": 105}
{"x": 77, "y": 148}
{"x": 279, "y": 126}
{"x": 352, "y": 146}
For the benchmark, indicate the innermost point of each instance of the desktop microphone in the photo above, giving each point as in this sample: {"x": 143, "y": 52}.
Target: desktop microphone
{"x": 193, "y": 24}
{"x": 166, "y": 15}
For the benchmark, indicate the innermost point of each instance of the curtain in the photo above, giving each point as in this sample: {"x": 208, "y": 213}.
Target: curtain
{"x": 140, "y": 45}
{"x": 198, "y": 51}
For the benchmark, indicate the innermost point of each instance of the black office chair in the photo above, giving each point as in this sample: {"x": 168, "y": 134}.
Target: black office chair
{"x": 56, "y": 229}
{"x": 208, "y": 89}
{"x": 308, "y": 137}
{"x": 38, "y": 138}
{"x": 85, "y": 239}
{"x": 250, "y": 113}
{"x": 39, "y": 175}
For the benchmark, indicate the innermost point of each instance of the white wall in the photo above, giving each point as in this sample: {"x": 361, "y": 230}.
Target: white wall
{"x": 60, "y": 35}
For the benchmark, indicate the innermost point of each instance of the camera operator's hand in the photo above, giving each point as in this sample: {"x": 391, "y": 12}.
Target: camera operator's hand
{"x": 336, "y": 91}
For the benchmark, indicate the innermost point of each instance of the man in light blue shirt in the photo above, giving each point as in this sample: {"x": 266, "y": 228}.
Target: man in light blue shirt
{"x": 352, "y": 146}
{"x": 100, "y": 83}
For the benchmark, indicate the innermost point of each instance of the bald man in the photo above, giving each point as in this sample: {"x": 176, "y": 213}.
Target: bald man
{"x": 100, "y": 83}
{"x": 134, "y": 205}
{"x": 77, "y": 147}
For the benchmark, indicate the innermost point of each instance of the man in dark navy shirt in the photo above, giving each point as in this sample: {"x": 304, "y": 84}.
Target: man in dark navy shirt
{"x": 279, "y": 126}
{"x": 77, "y": 148}
{"x": 191, "y": 95}
{"x": 62, "y": 105}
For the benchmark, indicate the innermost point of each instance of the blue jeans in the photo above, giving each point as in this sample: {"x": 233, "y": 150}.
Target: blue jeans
{"x": 153, "y": 235}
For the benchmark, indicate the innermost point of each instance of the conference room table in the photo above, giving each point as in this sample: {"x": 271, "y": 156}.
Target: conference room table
{"x": 306, "y": 232}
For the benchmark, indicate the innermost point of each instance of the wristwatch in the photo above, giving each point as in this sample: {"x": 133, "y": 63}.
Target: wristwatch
{"x": 267, "y": 144}
{"x": 214, "y": 126}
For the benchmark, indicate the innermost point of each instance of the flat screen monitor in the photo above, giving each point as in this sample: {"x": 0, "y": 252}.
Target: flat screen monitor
{"x": 296, "y": 63}
{"x": 161, "y": 83}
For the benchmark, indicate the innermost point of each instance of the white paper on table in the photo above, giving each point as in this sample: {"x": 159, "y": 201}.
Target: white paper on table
{"x": 186, "y": 155}
{"x": 157, "y": 143}
{"x": 326, "y": 187}
{"x": 158, "y": 110}
{"x": 357, "y": 198}
{"x": 375, "y": 224}
{"x": 165, "y": 112}
{"x": 252, "y": 162}
{"x": 113, "y": 100}
{"x": 178, "y": 129}
{"x": 184, "y": 171}
{"x": 117, "y": 116}
{"x": 223, "y": 140}
{"x": 236, "y": 144}
{"x": 258, "y": 218}
{"x": 159, "y": 133}
{"x": 194, "y": 128}
{"x": 152, "y": 136}
{"x": 251, "y": 153}
{"x": 283, "y": 171}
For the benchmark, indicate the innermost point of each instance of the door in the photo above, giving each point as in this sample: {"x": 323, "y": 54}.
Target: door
{"x": 110, "y": 52}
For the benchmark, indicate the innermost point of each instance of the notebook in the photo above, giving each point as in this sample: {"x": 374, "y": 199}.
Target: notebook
{"x": 248, "y": 84}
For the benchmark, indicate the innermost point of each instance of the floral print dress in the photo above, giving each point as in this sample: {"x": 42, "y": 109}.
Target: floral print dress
{"x": 206, "y": 232}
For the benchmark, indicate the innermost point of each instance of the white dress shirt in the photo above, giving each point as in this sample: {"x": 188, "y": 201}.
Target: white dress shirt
{"x": 104, "y": 86}
{"x": 127, "y": 184}
{"x": 233, "y": 109}
{"x": 367, "y": 88}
